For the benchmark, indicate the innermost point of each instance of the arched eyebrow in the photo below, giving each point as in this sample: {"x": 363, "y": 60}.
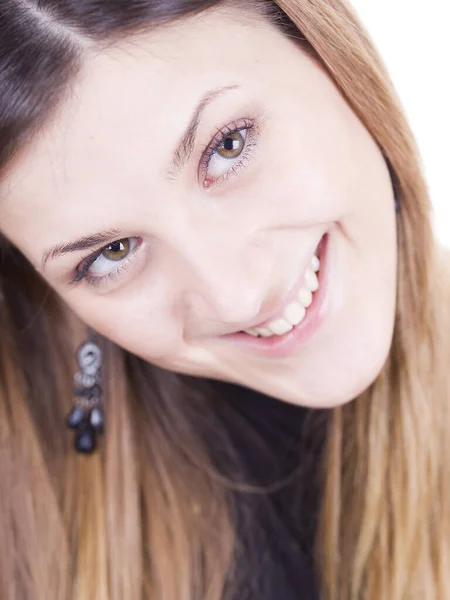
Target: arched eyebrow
{"x": 85, "y": 243}
{"x": 185, "y": 147}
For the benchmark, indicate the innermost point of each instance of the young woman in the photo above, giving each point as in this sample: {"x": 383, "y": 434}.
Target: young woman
{"x": 221, "y": 206}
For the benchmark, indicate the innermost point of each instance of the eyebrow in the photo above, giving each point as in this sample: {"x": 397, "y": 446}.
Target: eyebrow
{"x": 84, "y": 243}
{"x": 181, "y": 156}
{"x": 185, "y": 147}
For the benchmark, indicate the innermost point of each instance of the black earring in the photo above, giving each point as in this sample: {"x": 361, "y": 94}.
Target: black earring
{"x": 87, "y": 416}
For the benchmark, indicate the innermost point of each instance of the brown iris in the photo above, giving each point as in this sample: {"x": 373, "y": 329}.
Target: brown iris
{"x": 232, "y": 146}
{"x": 117, "y": 250}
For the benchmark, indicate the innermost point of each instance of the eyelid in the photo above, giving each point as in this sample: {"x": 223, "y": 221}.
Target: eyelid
{"x": 251, "y": 124}
{"x": 82, "y": 270}
{"x": 87, "y": 262}
{"x": 98, "y": 281}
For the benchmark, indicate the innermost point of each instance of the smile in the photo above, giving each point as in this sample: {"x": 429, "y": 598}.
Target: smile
{"x": 294, "y": 313}
{"x": 299, "y": 318}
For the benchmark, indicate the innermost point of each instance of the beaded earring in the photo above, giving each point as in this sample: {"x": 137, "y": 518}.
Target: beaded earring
{"x": 87, "y": 415}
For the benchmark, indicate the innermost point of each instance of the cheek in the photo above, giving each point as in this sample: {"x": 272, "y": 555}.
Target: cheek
{"x": 134, "y": 326}
{"x": 349, "y": 352}
{"x": 366, "y": 342}
{"x": 307, "y": 177}
{"x": 320, "y": 155}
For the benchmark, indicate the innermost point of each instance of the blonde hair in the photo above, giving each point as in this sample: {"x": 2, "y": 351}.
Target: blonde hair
{"x": 150, "y": 515}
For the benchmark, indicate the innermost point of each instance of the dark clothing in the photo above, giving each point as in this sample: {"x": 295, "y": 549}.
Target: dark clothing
{"x": 275, "y": 439}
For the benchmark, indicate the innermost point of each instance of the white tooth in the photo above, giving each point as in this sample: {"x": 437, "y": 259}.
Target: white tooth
{"x": 315, "y": 263}
{"x": 251, "y": 332}
{"x": 295, "y": 313}
{"x": 279, "y": 326}
{"x": 311, "y": 281}
{"x": 305, "y": 297}
{"x": 263, "y": 331}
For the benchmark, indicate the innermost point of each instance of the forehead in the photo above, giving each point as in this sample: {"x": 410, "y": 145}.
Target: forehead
{"x": 139, "y": 91}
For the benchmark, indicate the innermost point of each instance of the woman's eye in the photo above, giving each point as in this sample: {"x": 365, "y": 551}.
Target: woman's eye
{"x": 227, "y": 152}
{"x": 107, "y": 261}
{"x": 112, "y": 255}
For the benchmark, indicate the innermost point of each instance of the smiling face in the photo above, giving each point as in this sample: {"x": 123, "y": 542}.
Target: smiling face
{"x": 181, "y": 194}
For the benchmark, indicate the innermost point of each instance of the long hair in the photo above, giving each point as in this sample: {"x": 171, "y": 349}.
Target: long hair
{"x": 151, "y": 515}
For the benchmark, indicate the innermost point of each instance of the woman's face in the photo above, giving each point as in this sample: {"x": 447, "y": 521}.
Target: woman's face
{"x": 180, "y": 194}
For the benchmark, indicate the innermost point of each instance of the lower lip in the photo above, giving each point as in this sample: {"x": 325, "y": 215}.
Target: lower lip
{"x": 279, "y": 346}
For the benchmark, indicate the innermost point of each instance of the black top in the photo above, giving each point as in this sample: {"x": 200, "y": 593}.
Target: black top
{"x": 276, "y": 441}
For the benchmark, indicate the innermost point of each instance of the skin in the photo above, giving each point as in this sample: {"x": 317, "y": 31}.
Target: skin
{"x": 214, "y": 259}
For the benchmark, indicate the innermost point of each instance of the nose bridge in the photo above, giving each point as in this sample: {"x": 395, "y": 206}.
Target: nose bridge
{"x": 217, "y": 281}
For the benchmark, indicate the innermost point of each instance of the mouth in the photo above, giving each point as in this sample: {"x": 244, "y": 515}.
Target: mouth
{"x": 299, "y": 318}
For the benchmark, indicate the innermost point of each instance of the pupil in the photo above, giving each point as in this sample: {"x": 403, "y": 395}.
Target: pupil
{"x": 116, "y": 247}
{"x": 230, "y": 144}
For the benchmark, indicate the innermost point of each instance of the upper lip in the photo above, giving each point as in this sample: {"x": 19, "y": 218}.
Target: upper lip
{"x": 271, "y": 309}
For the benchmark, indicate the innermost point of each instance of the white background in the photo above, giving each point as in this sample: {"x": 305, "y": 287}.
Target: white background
{"x": 413, "y": 37}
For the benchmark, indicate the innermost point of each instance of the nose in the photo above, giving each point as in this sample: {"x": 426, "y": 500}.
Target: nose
{"x": 219, "y": 288}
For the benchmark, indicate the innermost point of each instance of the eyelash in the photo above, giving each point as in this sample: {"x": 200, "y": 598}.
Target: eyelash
{"x": 82, "y": 271}
{"x": 245, "y": 124}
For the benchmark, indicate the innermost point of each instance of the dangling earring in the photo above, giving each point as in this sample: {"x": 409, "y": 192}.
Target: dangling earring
{"x": 87, "y": 416}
